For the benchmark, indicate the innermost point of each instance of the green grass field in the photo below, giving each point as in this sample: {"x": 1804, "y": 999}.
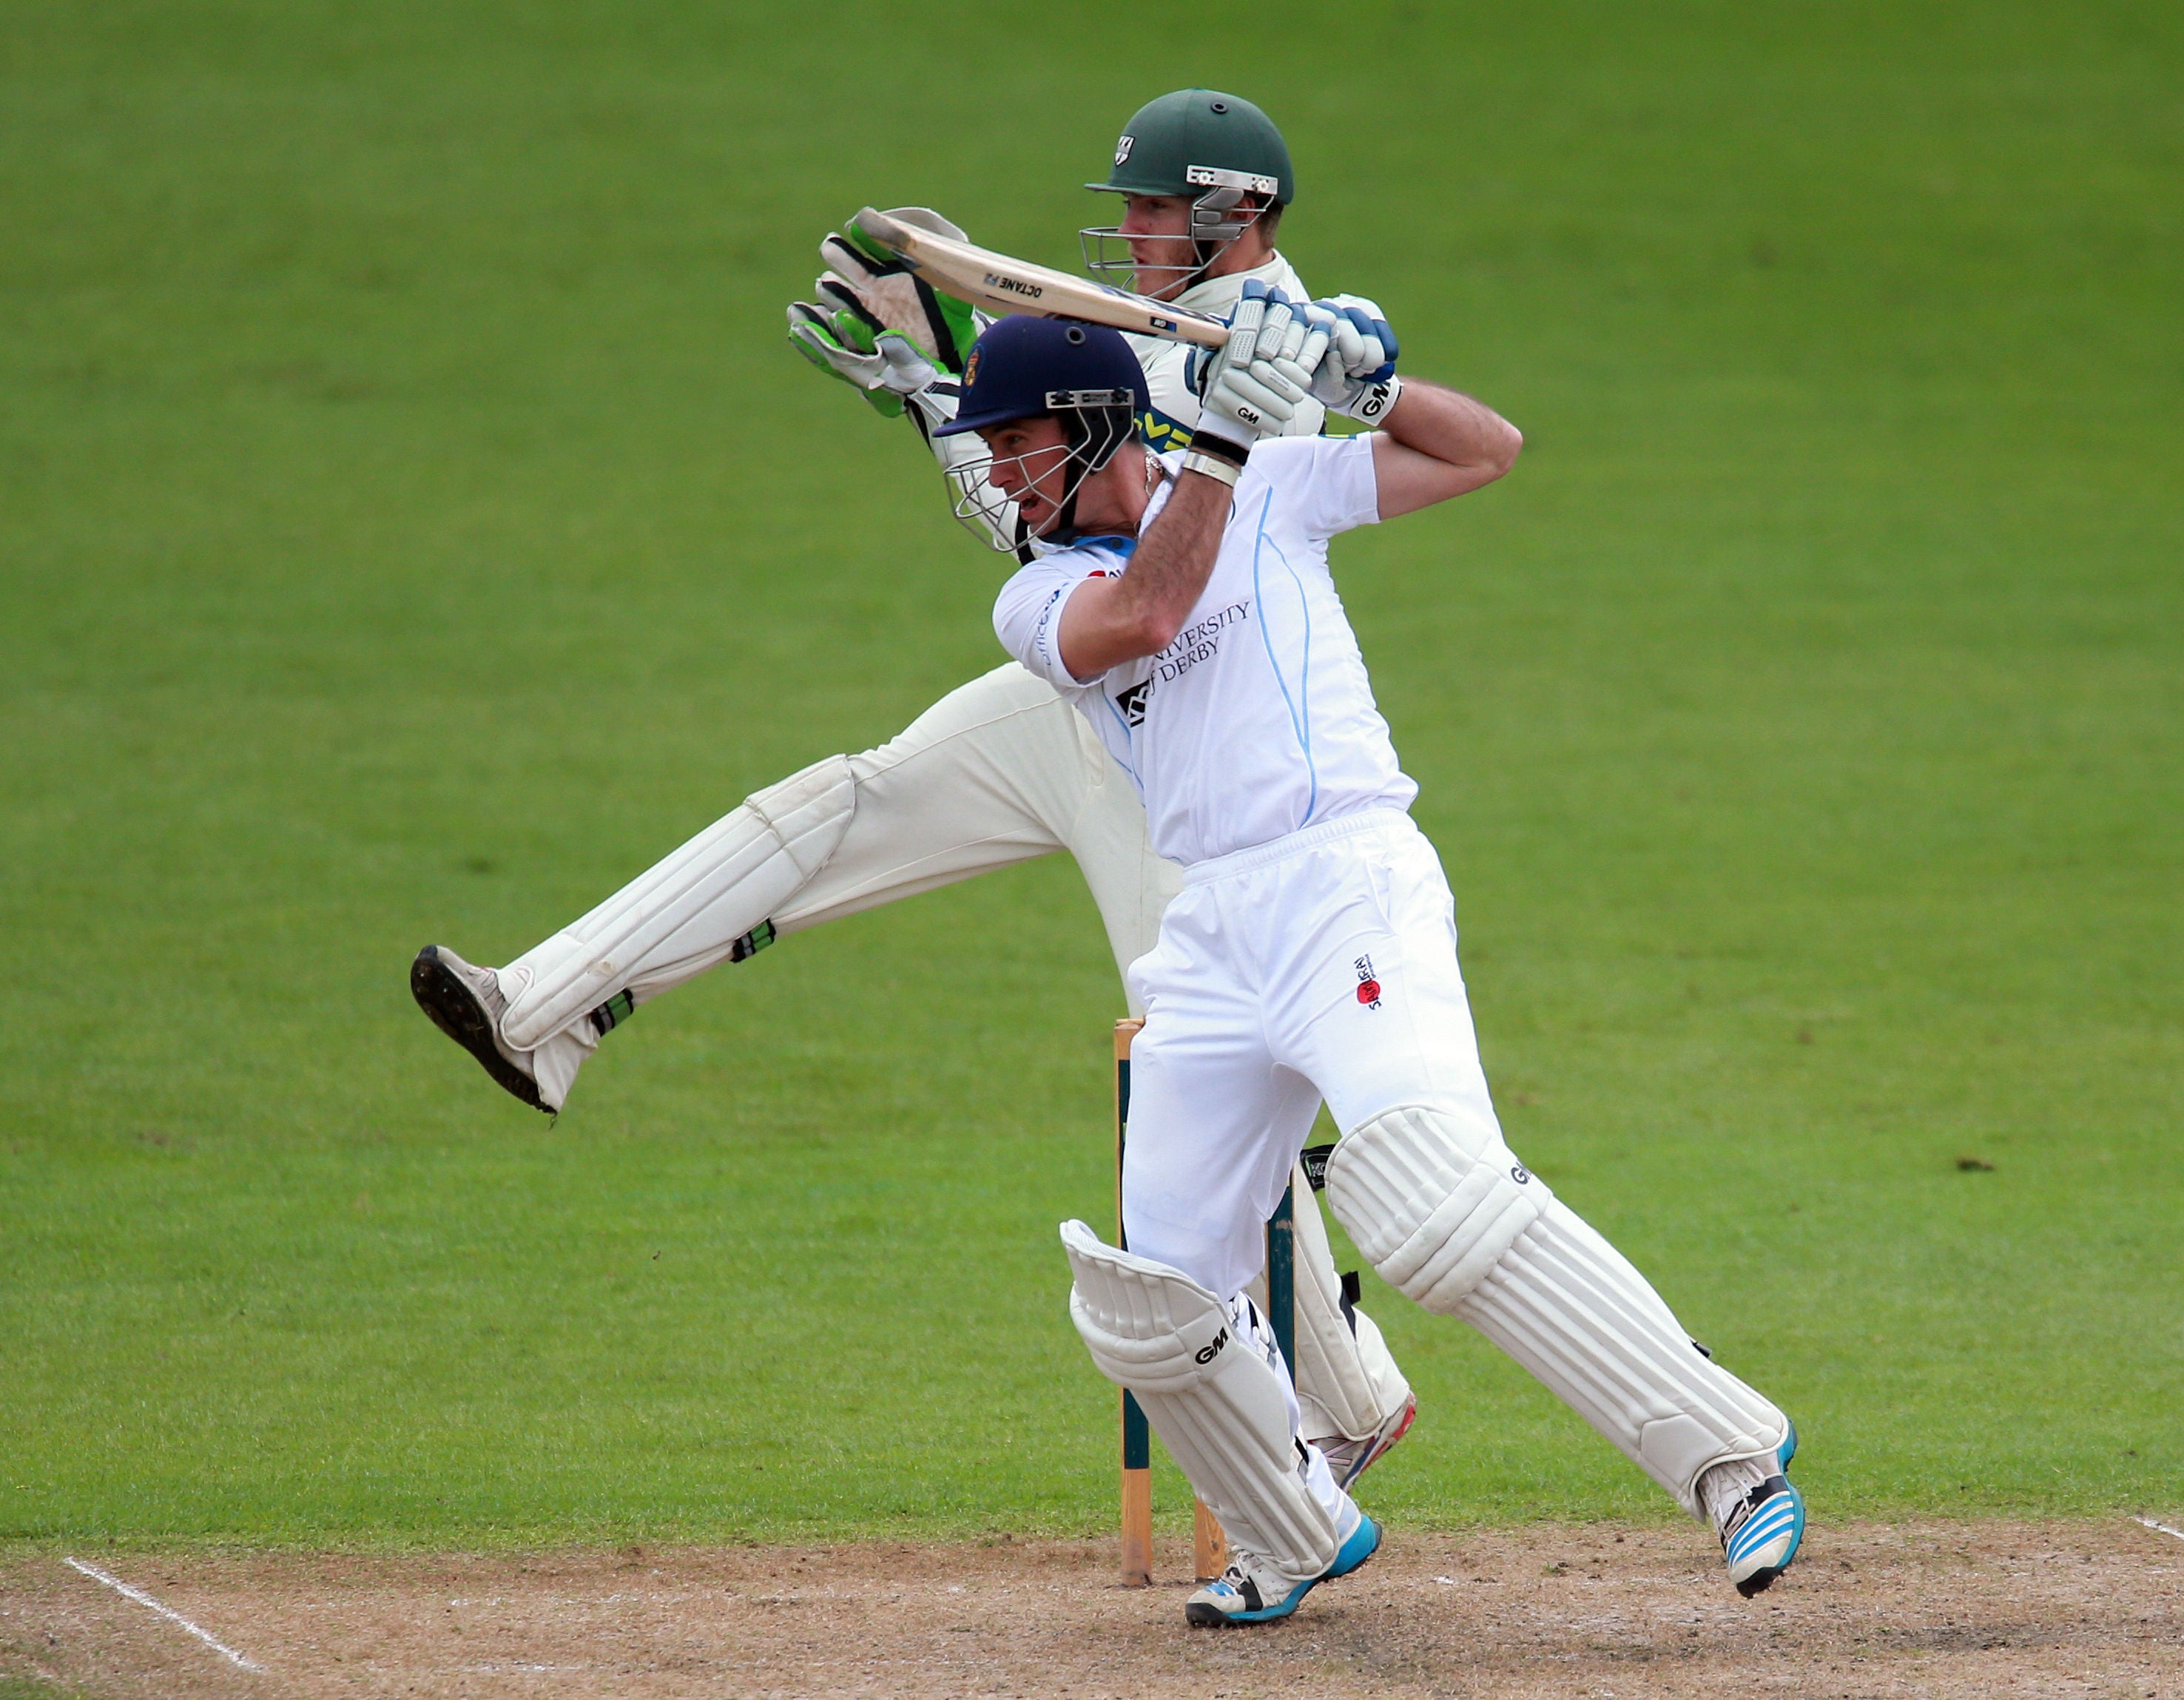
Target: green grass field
{"x": 412, "y": 522}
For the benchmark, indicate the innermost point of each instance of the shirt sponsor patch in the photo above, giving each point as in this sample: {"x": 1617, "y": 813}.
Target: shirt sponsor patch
{"x": 1046, "y": 621}
{"x": 1199, "y": 641}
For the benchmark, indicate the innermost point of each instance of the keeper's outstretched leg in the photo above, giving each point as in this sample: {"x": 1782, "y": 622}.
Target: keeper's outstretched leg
{"x": 999, "y": 771}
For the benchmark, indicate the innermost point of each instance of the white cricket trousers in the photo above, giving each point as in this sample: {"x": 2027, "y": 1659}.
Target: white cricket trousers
{"x": 1323, "y": 965}
{"x": 1320, "y": 966}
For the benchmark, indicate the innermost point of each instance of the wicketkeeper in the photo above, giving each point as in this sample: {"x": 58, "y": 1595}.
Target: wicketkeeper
{"x": 999, "y": 771}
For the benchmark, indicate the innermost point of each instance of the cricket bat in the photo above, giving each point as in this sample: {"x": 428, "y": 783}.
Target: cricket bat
{"x": 1002, "y": 285}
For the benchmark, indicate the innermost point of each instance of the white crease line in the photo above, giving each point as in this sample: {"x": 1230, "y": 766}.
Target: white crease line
{"x": 2163, "y": 1527}
{"x": 174, "y": 1617}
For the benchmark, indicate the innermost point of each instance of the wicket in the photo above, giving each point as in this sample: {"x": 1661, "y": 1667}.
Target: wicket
{"x": 1210, "y": 1546}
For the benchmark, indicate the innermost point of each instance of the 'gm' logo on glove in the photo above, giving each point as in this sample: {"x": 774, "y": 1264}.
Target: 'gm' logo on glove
{"x": 1372, "y": 405}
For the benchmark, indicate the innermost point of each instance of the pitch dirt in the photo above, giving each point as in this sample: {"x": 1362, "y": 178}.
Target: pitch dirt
{"x": 1926, "y": 1608}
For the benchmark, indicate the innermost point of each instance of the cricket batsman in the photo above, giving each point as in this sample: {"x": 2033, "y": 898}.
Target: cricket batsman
{"x": 999, "y": 771}
{"x": 1182, "y": 603}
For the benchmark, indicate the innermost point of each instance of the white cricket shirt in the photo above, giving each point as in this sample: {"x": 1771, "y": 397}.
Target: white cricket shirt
{"x": 1258, "y": 720}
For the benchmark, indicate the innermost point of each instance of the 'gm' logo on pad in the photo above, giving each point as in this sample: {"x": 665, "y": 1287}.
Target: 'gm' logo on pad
{"x": 1206, "y": 1354}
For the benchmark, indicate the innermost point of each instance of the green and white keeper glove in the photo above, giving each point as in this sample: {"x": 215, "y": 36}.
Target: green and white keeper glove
{"x": 868, "y": 300}
{"x": 884, "y": 367}
{"x": 869, "y": 281}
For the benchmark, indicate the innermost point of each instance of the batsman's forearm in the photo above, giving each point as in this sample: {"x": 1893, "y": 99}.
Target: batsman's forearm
{"x": 1109, "y": 621}
{"x": 1434, "y": 444}
{"x": 1452, "y": 427}
{"x": 1168, "y": 573}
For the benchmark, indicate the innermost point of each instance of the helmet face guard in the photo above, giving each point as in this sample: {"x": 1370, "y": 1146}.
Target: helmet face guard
{"x": 1218, "y": 217}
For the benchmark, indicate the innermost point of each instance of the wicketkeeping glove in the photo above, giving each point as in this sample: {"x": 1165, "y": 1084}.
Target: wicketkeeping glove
{"x": 1357, "y": 376}
{"x": 877, "y": 286}
{"x": 882, "y": 369}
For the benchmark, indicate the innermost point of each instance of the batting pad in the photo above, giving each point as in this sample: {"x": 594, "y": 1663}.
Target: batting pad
{"x": 682, "y": 915}
{"x": 1217, "y": 1406}
{"x": 1572, "y": 1309}
{"x": 1433, "y": 1199}
{"x": 1450, "y": 1218}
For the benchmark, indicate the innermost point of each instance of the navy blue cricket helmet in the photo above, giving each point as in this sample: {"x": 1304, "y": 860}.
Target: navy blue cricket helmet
{"x": 1085, "y": 375}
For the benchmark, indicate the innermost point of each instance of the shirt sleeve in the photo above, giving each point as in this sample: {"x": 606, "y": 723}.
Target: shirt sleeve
{"x": 1028, "y": 614}
{"x": 1328, "y": 482}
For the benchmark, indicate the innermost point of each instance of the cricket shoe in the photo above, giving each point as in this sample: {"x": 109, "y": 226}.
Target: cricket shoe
{"x": 1348, "y": 1459}
{"x": 1251, "y": 1590}
{"x": 1762, "y": 1533}
{"x": 465, "y": 1002}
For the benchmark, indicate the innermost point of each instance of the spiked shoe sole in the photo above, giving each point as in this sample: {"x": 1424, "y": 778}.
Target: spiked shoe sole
{"x": 454, "y": 1010}
{"x": 1383, "y": 1443}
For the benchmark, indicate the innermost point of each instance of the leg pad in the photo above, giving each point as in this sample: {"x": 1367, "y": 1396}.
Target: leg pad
{"x": 686, "y": 913}
{"x": 1450, "y": 1218}
{"x": 1215, "y": 1403}
{"x": 1433, "y": 1199}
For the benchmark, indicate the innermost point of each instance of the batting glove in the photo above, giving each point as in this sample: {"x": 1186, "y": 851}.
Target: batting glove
{"x": 868, "y": 282}
{"x": 1243, "y": 401}
{"x": 1357, "y": 378}
{"x": 884, "y": 368}
{"x": 1292, "y": 343}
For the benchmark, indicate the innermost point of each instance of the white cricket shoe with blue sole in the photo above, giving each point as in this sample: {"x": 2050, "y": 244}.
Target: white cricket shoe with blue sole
{"x": 1764, "y": 1535}
{"x": 1252, "y": 1591}
{"x": 1759, "y": 1513}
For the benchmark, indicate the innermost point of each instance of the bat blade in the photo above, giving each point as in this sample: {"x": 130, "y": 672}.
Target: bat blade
{"x": 1003, "y": 284}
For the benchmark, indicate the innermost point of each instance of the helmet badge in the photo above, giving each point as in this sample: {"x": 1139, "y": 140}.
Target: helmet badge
{"x": 1122, "y": 149}
{"x": 971, "y": 370}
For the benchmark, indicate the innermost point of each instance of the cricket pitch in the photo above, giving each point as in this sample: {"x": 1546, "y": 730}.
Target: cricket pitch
{"x": 1926, "y": 1608}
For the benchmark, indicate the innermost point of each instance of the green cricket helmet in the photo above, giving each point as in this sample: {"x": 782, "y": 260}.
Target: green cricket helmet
{"x": 1211, "y": 147}
{"x": 1198, "y": 139}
